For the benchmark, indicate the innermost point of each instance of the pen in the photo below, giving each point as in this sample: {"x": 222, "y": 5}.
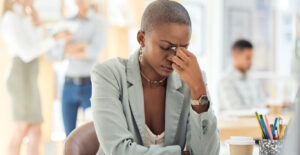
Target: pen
{"x": 274, "y": 127}
{"x": 276, "y": 134}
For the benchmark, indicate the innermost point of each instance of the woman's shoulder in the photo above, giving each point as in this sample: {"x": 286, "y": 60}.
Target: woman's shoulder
{"x": 9, "y": 21}
{"x": 111, "y": 67}
{"x": 9, "y": 16}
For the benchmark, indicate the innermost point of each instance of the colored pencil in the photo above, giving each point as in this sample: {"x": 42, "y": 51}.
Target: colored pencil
{"x": 264, "y": 126}
{"x": 268, "y": 127}
{"x": 261, "y": 128}
{"x": 282, "y": 132}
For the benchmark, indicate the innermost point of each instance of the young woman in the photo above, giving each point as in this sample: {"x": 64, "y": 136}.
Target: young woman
{"x": 20, "y": 30}
{"x": 141, "y": 106}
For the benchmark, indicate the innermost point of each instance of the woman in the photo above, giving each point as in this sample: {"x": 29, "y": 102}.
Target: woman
{"x": 23, "y": 39}
{"x": 140, "y": 106}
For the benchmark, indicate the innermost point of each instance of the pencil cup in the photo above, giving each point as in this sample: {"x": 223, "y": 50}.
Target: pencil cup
{"x": 270, "y": 147}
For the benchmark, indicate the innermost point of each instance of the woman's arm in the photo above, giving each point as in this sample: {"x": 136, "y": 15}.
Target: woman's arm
{"x": 109, "y": 119}
{"x": 98, "y": 40}
{"x": 24, "y": 39}
{"x": 202, "y": 133}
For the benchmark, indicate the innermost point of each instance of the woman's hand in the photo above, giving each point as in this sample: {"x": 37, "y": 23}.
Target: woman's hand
{"x": 186, "y": 65}
{"x": 30, "y": 10}
{"x": 64, "y": 36}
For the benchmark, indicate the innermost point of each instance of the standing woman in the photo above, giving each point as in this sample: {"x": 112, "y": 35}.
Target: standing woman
{"x": 141, "y": 106}
{"x": 21, "y": 32}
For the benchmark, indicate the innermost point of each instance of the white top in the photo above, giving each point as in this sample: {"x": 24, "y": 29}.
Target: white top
{"x": 152, "y": 139}
{"x": 237, "y": 91}
{"x": 22, "y": 38}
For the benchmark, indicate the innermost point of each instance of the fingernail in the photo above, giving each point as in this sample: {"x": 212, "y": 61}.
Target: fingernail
{"x": 173, "y": 48}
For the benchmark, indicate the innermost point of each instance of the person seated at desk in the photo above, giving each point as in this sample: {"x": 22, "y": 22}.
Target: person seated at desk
{"x": 140, "y": 106}
{"x": 236, "y": 88}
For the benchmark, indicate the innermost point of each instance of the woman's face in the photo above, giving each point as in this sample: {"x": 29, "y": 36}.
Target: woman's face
{"x": 83, "y": 4}
{"x": 158, "y": 43}
{"x": 26, "y": 2}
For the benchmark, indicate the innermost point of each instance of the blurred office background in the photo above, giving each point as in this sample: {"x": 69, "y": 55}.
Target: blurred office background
{"x": 273, "y": 26}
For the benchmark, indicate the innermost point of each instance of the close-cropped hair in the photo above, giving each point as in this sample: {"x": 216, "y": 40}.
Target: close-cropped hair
{"x": 242, "y": 44}
{"x": 164, "y": 12}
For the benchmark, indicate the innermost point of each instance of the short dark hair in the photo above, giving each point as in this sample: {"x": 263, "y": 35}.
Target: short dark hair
{"x": 241, "y": 44}
{"x": 164, "y": 11}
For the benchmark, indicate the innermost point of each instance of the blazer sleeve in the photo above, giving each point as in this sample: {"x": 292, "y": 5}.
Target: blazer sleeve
{"x": 202, "y": 132}
{"x": 110, "y": 123}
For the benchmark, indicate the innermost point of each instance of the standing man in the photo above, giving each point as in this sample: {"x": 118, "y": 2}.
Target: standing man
{"x": 81, "y": 50}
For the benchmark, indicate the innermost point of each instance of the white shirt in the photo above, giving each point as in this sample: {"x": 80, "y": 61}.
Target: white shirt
{"x": 22, "y": 38}
{"x": 152, "y": 139}
{"x": 238, "y": 91}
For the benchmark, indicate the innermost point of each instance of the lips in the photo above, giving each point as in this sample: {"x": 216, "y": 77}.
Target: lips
{"x": 167, "y": 68}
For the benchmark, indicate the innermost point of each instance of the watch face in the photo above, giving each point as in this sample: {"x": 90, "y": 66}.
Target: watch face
{"x": 204, "y": 100}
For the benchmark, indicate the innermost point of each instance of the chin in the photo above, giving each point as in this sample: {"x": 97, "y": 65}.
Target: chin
{"x": 165, "y": 73}
{"x": 165, "y": 70}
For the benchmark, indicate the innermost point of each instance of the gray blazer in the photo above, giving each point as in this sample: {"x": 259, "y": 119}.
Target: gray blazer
{"x": 119, "y": 117}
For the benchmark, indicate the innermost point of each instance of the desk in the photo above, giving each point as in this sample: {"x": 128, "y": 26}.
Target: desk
{"x": 244, "y": 126}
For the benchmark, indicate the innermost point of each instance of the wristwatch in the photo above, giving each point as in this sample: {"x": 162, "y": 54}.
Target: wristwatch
{"x": 203, "y": 101}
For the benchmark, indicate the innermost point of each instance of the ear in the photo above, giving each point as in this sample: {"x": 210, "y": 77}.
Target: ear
{"x": 141, "y": 38}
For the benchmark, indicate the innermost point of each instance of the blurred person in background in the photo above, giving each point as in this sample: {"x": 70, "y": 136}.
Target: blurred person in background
{"x": 237, "y": 90}
{"x": 23, "y": 37}
{"x": 81, "y": 49}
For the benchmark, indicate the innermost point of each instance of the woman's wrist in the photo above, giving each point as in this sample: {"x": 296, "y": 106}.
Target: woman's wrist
{"x": 198, "y": 91}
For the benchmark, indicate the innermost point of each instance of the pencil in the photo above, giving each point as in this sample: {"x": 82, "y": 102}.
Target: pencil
{"x": 264, "y": 126}
{"x": 261, "y": 128}
{"x": 268, "y": 127}
{"x": 282, "y": 132}
{"x": 280, "y": 124}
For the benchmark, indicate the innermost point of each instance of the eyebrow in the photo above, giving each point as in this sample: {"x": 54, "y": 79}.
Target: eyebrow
{"x": 172, "y": 44}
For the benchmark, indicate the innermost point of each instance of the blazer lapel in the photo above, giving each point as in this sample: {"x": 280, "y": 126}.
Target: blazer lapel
{"x": 135, "y": 93}
{"x": 174, "y": 100}
{"x": 174, "y": 103}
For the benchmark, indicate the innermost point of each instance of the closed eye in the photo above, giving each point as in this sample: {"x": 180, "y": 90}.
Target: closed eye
{"x": 166, "y": 48}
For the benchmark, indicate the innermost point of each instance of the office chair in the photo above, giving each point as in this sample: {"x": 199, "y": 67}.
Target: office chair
{"x": 82, "y": 141}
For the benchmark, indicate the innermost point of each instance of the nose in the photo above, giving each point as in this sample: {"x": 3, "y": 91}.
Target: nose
{"x": 171, "y": 54}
